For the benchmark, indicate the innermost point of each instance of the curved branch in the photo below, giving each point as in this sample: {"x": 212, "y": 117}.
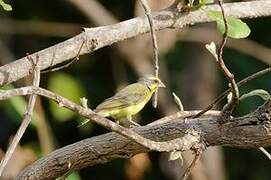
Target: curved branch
{"x": 99, "y": 37}
{"x": 251, "y": 131}
{"x": 183, "y": 143}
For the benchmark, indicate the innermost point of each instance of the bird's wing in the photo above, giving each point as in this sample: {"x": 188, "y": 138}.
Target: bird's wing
{"x": 128, "y": 96}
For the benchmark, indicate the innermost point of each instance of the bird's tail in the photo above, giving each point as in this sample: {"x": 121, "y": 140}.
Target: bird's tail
{"x": 83, "y": 123}
{"x": 101, "y": 113}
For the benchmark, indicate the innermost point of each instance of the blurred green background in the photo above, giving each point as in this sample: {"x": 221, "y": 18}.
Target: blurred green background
{"x": 185, "y": 67}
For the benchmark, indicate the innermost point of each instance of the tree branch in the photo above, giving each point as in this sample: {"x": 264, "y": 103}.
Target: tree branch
{"x": 27, "y": 116}
{"x": 154, "y": 44}
{"x": 99, "y": 37}
{"x": 250, "y": 131}
{"x": 183, "y": 143}
{"x": 229, "y": 107}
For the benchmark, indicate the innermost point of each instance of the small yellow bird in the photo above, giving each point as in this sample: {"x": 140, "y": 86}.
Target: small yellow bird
{"x": 130, "y": 100}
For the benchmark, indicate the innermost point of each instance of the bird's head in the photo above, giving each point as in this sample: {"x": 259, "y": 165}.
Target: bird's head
{"x": 151, "y": 82}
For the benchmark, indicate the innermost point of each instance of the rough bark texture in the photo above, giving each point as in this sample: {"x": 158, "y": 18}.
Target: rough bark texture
{"x": 96, "y": 38}
{"x": 251, "y": 131}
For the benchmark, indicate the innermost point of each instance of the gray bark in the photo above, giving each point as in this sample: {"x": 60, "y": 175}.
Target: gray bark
{"x": 250, "y": 131}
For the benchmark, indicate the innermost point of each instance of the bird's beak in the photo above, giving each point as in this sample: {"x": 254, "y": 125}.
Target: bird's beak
{"x": 161, "y": 84}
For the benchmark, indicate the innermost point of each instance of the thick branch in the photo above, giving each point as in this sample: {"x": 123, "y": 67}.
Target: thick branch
{"x": 99, "y": 37}
{"x": 251, "y": 131}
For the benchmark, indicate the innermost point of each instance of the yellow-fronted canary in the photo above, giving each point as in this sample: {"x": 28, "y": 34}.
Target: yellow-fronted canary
{"x": 130, "y": 100}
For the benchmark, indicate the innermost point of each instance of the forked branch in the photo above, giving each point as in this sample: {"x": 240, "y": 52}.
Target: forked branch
{"x": 250, "y": 131}
{"x": 27, "y": 116}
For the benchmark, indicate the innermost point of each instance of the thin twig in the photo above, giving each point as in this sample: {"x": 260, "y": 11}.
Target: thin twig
{"x": 53, "y": 69}
{"x": 191, "y": 166}
{"x": 239, "y": 84}
{"x": 154, "y": 43}
{"x": 178, "y": 102}
{"x": 228, "y": 108}
{"x": 265, "y": 152}
{"x": 27, "y": 117}
{"x": 225, "y": 35}
{"x": 67, "y": 64}
{"x": 43, "y": 128}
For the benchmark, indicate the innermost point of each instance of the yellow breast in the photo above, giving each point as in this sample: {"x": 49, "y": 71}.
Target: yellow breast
{"x": 131, "y": 110}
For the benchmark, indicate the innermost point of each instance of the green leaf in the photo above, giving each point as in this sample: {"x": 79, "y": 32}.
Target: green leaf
{"x": 236, "y": 28}
{"x": 68, "y": 87}
{"x": 84, "y": 102}
{"x": 5, "y": 6}
{"x": 74, "y": 176}
{"x": 71, "y": 176}
{"x": 175, "y": 155}
{"x": 229, "y": 97}
{"x": 257, "y": 92}
{"x": 84, "y": 127}
{"x": 212, "y": 49}
{"x": 178, "y": 101}
{"x": 202, "y": 2}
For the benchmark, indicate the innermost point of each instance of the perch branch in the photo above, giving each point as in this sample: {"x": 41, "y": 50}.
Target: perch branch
{"x": 182, "y": 143}
{"x": 250, "y": 131}
{"x": 99, "y": 37}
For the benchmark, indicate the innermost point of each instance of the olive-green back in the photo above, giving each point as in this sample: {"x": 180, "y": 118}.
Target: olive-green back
{"x": 130, "y": 95}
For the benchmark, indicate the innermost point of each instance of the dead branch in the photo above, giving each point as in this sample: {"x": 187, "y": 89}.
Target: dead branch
{"x": 229, "y": 107}
{"x": 154, "y": 44}
{"x": 27, "y": 117}
{"x": 99, "y": 37}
